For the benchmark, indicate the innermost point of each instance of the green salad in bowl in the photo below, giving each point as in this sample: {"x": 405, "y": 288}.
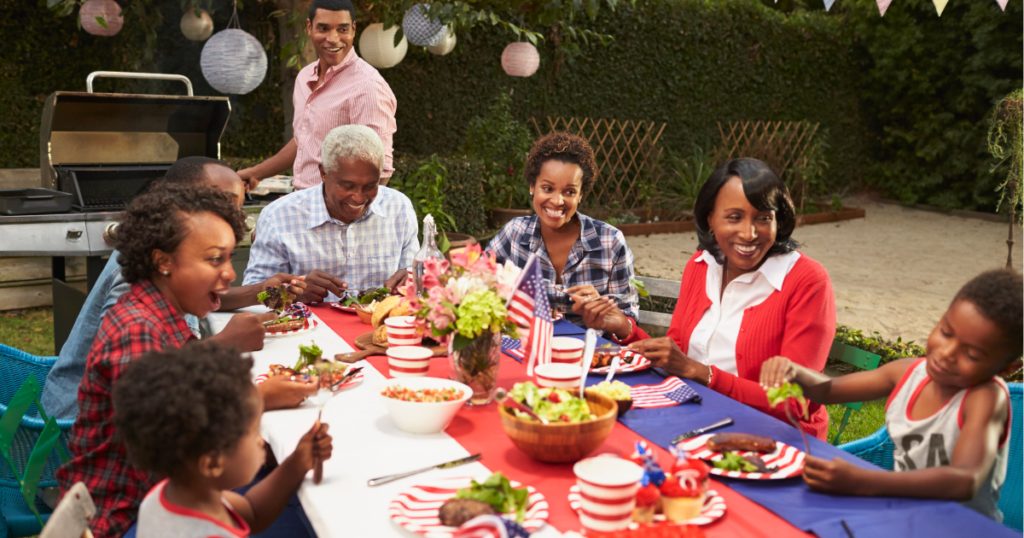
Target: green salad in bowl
{"x": 553, "y": 405}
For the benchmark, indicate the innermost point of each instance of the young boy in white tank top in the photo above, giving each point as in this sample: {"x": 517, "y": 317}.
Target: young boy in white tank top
{"x": 948, "y": 413}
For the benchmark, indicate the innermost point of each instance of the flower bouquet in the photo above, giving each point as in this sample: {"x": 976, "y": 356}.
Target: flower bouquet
{"x": 463, "y": 303}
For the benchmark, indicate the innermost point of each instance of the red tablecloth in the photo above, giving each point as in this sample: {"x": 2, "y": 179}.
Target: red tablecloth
{"x": 478, "y": 429}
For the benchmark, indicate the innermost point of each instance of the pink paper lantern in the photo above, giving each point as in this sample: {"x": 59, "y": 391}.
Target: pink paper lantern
{"x": 108, "y": 10}
{"x": 520, "y": 59}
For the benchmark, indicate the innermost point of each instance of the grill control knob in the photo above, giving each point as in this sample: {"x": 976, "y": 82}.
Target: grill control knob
{"x": 110, "y": 233}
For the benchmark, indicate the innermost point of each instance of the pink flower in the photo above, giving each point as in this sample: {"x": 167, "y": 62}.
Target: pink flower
{"x": 435, "y": 267}
{"x": 465, "y": 258}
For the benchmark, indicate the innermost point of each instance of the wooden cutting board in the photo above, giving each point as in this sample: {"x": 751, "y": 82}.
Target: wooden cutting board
{"x": 368, "y": 349}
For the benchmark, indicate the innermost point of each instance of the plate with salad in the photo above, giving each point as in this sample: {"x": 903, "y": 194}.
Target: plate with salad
{"x": 425, "y": 508}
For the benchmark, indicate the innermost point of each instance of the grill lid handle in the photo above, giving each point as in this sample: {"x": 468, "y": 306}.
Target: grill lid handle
{"x": 149, "y": 76}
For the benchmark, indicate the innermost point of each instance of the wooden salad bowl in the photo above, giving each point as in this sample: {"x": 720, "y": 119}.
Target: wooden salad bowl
{"x": 561, "y": 442}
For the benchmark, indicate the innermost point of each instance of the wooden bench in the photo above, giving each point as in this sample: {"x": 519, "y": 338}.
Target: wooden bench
{"x": 662, "y": 288}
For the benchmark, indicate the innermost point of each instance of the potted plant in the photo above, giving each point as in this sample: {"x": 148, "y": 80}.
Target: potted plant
{"x": 502, "y": 143}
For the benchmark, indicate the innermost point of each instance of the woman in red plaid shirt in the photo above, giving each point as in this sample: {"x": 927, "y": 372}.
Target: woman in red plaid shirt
{"x": 176, "y": 253}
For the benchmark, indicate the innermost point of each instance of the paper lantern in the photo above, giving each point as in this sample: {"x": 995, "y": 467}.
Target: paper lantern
{"x": 420, "y": 30}
{"x": 108, "y": 10}
{"x": 197, "y": 28}
{"x": 377, "y": 46}
{"x": 446, "y": 45}
{"x": 233, "y": 61}
{"x": 520, "y": 59}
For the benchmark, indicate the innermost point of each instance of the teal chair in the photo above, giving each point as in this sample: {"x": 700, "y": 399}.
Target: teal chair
{"x": 33, "y": 445}
{"x": 877, "y": 448}
{"x": 854, "y": 357}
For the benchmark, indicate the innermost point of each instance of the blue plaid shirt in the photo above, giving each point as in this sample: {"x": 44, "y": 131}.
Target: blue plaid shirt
{"x": 296, "y": 235}
{"x": 600, "y": 257}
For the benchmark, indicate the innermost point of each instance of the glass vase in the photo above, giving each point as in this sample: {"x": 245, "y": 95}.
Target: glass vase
{"x": 476, "y": 365}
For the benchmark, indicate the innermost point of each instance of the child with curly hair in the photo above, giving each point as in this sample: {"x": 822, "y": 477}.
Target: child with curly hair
{"x": 192, "y": 415}
{"x": 947, "y": 413}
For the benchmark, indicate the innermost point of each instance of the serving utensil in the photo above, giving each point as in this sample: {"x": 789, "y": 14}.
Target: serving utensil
{"x": 700, "y": 431}
{"x": 611, "y": 368}
{"x": 323, "y": 394}
{"x": 447, "y": 465}
{"x": 589, "y": 344}
{"x": 501, "y": 395}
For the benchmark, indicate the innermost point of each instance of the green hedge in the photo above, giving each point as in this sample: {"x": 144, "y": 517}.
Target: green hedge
{"x": 929, "y": 84}
{"x": 688, "y": 63}
{"x": 463, "y": 194}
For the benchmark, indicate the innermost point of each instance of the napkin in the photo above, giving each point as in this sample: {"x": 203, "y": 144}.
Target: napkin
{"x": 672, "y": 391}
{"x": 512, "y": 347}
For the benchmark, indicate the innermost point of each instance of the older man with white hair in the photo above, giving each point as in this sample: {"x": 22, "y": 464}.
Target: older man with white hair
{"x": 349, "y": 232}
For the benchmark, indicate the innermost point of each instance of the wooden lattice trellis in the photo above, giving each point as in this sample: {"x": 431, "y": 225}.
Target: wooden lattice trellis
{"x": 782, "y": 145}
{"x": 626, "y": 153}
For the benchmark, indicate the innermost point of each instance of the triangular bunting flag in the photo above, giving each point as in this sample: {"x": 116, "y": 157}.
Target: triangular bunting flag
{"x": 828, "y": 4}
{"x": 883, "y": 5}
{"x": 940, "y": 5}
{"x": 1002, "y": 4}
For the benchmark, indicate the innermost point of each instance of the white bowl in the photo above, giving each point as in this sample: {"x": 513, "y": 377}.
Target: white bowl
{"x": 423, "y": 417}
{"x": 557, "y": 375}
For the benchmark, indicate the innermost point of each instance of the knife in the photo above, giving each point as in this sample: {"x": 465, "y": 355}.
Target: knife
{"x": 694, "y": 433}
{"x": 391, "y": 478}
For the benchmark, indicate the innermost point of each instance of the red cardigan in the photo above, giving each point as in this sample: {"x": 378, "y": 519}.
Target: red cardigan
{"x": 798, "y": 322}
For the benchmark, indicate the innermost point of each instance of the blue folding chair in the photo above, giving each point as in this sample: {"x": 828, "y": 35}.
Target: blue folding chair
{"x": 33, "y": 447}
{"x": 877, "y": 448}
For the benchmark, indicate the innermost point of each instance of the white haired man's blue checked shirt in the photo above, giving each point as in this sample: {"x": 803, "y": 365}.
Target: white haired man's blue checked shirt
{"x": 296, "y": 235}
{"x": 600, "y": 258}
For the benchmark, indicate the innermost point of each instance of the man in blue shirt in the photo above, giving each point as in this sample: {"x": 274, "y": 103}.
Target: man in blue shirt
{"x": 245, "y": 331}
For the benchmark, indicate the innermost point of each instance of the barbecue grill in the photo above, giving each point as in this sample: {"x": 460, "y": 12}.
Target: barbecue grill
{"x": 103, "y": 149}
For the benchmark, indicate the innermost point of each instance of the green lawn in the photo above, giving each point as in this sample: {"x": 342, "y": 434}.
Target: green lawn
{"x": 862, "y": 423}
{"x": 30, "y": 330}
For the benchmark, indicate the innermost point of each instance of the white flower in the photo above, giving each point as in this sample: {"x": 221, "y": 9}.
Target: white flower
{"x": 464, "y": 285}
{"x": 508, "y": 274}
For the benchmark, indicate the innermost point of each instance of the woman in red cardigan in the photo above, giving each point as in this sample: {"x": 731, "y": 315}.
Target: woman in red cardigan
{"x": 746, "y": 296}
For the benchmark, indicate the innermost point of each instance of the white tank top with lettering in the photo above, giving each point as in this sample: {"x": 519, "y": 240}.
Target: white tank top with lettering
{"x": 929, "y": 442}
{"x": 159, "y": 518}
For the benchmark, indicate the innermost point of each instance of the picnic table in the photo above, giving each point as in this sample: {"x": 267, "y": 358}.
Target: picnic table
{"x": 368, "y": 445}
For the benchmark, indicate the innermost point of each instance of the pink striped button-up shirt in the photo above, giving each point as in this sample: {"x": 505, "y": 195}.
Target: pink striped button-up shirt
{"x": 353, "y": 92}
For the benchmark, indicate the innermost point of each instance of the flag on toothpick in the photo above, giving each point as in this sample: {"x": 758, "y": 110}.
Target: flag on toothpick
{"x": 529, "y": 306}
{"x": 828, "y": 4}
{"x": 940, "y": 5}
{"x": 883, "y": 5}
{"x": 1002, "y": 4}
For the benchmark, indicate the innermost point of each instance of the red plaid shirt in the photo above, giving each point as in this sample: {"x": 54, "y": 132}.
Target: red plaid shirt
{"x": 140, "y": 322}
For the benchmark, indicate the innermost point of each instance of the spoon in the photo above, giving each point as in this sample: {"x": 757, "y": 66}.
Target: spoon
{"x": 503, "y": 399}
{"x": 611, "y": 369}
{"x": 590, "y": 343}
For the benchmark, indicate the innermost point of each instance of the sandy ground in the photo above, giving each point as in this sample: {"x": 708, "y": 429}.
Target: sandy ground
{"x": 893, "y": 271}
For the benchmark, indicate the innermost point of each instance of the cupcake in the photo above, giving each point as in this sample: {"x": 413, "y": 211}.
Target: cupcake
{"x": 647, "y": 498}
{"x": 693, "y": 467}
{"x": 682, "y": 497}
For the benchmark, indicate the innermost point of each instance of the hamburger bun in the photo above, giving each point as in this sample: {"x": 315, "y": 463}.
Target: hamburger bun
{"x": 380, "y": 336}
{"x": 383, "y": 310}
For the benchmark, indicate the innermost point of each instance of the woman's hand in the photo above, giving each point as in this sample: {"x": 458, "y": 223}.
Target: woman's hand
{"x": 776, "y": 371}
{"x": 836, "y": 476}
{"x": 599, "y": 313}
{"x": 665, "y": 354}
{"x": 284, "y": 392}
{"x": 314, "y": 446}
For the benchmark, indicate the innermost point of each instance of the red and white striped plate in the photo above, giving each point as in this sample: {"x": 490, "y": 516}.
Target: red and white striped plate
{"x": 355, "y": 380}
{"x": 713, "y": 509}
{"x": 309, "y": 326}
{"x": 639, "y": 363}
{"x": 349, "y": 309}
{"x": 789, "y": 460}
{"x": 416, "y": 508}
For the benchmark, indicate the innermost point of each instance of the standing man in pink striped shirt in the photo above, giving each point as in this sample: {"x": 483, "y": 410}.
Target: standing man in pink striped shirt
{"x": 339, "y": 89}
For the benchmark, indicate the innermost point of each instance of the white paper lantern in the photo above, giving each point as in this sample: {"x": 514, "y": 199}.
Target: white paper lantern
{"x": 520, "y": 59}
{"x": 108, "y": 10}
{"x": 377, "y": 46}
{"x": 446, "y": 45}
{"x": 420, "y": 30}
{"x": 233, "y": 61}
{"x": 197, "y": 28}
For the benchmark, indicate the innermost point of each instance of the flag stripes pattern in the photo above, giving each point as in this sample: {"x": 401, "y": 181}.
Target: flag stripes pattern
{"x": 672, "y": 391}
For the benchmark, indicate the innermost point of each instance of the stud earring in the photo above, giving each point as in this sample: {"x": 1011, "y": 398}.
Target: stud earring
{"x": 166, "y": 273}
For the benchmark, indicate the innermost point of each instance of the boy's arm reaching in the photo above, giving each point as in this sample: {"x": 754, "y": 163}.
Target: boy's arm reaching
{"x": 823, "y": 389}
{"x": 984, "y": 418}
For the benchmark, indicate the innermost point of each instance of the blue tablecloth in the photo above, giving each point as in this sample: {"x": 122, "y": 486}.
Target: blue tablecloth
{"x": 564, "y": 327}
{"x": 791, "y": 499}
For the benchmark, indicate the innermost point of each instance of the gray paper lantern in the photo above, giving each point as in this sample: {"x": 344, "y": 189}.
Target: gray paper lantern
{"x": 445, "y": 46}
{"x": 420, "y": 30}
{"x": 233, "y": 61}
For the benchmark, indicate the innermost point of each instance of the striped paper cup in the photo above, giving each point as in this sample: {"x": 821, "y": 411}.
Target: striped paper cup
{"x": 566, "y": 350}
{"x": 409, "y": 361}
{"x": 402, "y": 331}
{"x": 607, "y": 492}
{"x": 558, "y": 375}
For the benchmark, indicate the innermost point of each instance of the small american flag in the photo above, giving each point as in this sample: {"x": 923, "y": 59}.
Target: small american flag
{"x": 529, "y": 305}
{"x": 490, "y": 527}
{"x": 672, "y": 391}
{"x": 512, "y": 347}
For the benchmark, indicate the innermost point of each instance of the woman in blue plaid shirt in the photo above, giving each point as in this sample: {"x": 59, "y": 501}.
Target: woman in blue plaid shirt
{"x": 586, "y": 262}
